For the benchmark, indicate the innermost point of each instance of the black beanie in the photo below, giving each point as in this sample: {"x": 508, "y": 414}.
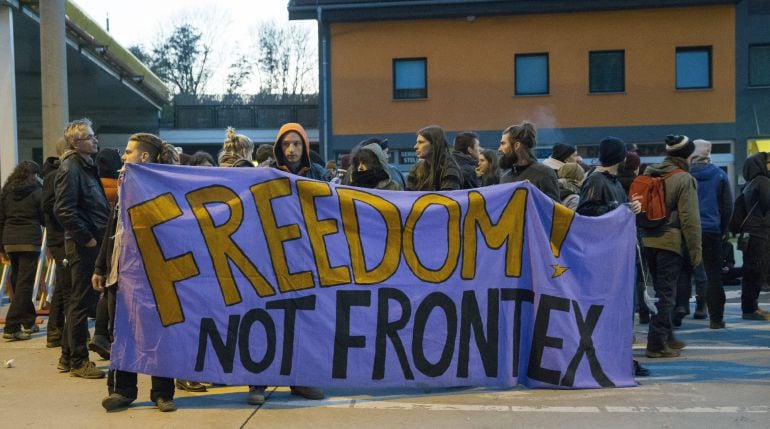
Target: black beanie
{"x": 562, "y": 151}
{"x": 612, "y": 151}
{"x": 679, "y": 146}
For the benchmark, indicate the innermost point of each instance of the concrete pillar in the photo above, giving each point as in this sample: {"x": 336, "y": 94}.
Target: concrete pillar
{"x": 9, "y": 143}
{"x": 53, "y": 73}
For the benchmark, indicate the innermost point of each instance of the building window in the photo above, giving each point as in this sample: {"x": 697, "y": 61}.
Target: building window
{"x": 410, "y": 78}
{"x": 759, "y": 65}
{"x": 693, "y": 67}
{"x": 531, "y": 74}
{"x": 607, "y": 71}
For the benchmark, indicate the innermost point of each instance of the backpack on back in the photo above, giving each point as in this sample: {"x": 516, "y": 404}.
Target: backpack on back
{"x": 652, "y": 190}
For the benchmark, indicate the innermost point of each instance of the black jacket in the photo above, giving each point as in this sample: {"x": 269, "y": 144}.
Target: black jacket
{"x": 601, "y": 193}
{"x": 54, "y": 230}
{"x": 468, "y": 168}
{"x": 81, "y": 205}
{"x": 543, "y": 177}
{"x": 21, "y": 218}
{"x": 757, "y": 191}
{"x": 103, "y": 263}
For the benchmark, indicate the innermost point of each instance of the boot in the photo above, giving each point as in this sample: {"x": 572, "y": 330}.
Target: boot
{"x": 700, "y": 308}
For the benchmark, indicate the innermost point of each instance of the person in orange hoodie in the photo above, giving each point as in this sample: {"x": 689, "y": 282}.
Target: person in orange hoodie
{"x": 291, "y": 153}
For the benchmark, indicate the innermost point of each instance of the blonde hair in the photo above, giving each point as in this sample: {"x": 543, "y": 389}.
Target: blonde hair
{"x": 76, "y": 130}
{"x": 237, "y": 143}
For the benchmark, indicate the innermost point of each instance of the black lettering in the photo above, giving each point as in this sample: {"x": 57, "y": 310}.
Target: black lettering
{"x": 541, "y": 340}
{"x": 387, "y": 329}
{"x": 343, "y": 341}
{"x": 290, "y": 307}
{"x": 519, "y": 296}
{"x": 225, "y": 351}
{"x": 251, "y": 317}
{"x": 586, "y": 329}
{"x": 470, "y": 317}
{"x": 434, "y": 300}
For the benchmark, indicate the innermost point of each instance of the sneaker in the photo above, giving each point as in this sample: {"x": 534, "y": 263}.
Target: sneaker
{"x": 165, "y": 405}
{"x": 101, "y": 346}
{"x": 20, "y": 335}
{"x": 31, "y": 330}
{"x": 256, "y": 395}
{"x": 714, "y": 324}
{"x": 63, "y": 365}
{"x": 87, "y": 370}
{"x": 190, "y": 386}
{"x": 666, "y": 352}
{"x": 675, "y": 344}
{"x": 307, "y": 392}
{"x": 116, "y": 401}
{"x": 755, "y": 315}
{"x": 7, "y": 335}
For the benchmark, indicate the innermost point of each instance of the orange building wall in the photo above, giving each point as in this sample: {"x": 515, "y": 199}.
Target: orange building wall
{"x": 471, "y": 70}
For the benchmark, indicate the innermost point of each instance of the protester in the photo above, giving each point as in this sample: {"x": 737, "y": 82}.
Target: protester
{"x": 371, "y": 169}
{"x": 82, "y": 208}
{"x": 488, "y": 171}
{"x": 466, "y": 155}
{"x": 560, "y": 155}
{"x": 667, "y": 245}
{"x": 436, "y": 170}
{"x": 571, "y": 177}
{"x": 21, "y": 218}
{"x": 602, "y": 192}
{"x": 756, "y": 196}
{"x": 236, "y": 151}
{"x": 629, "y": 170}
{"x": 331, "y": 167}
{"x": 122, "y": 385}
{"x": 715, "y": 202}
{"x": 519, "y": 162}
{"x": 264, "y": 155}
{"x": 202, "y": 159}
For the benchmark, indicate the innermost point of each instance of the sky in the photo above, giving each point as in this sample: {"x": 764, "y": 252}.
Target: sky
{"x": 231, "y": 22}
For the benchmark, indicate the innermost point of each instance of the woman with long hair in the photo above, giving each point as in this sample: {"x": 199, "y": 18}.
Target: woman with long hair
{"x": 21, "y": 218}
{"x": 436, "y": 170}
{"x": 488, "y": 170}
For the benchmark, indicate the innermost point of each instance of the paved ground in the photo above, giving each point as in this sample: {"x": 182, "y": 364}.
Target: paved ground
{"x": 721, "y": 380}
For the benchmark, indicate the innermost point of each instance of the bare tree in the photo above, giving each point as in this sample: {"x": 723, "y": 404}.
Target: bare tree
{"x": 286, "y": 59}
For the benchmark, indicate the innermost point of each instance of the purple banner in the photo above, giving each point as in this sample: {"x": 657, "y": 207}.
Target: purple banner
{"x": 252, "y": 276}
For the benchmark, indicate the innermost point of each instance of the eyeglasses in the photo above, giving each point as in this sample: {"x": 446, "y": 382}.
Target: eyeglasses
{"x": 87, "y": 138}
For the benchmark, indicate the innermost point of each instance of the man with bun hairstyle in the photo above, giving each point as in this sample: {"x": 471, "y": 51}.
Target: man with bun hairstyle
{"x": 82, "y": 209}
{"x": 673, "y": 246}
{"x": 121, "y": 385}
{"x": 518, "y": 160}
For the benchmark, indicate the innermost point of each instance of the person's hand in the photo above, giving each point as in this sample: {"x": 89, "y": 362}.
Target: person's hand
{"x": 636, "y": 204}
{"x": 91, "y": 243}
{"x": 97, "y": 282}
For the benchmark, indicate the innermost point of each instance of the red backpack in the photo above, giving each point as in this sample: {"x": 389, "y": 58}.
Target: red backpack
{"x": 652, "y": 189}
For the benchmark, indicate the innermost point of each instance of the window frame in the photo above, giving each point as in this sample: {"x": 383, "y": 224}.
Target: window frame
{"x": 758, "y": 85}
{"x": 710, "y": 51}
{"x": 425, "y": 75}
{"x": 622, "y": 89}
{"x": 516, "y": 91}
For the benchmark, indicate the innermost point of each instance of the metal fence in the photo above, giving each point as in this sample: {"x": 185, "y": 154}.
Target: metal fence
{"x": 244, "y": 116}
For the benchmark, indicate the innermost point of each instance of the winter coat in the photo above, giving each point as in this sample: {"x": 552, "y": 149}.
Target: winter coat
{"x": 452, "y": 179}
{"x": 467, "y": 166}
{"x": 682, "y": 232}
{"x": 601, "y": 193}
{"x": 714, "y": 197}
{"x": 54, "y": 230}
{"x": 543, "y": 177}
{"x": 757, "y": 191}
{"x": 307, "y": 168}
{"x": 21, "y": 218}
{"x": 385, "y": 184}
{"x": 81, "y": 205}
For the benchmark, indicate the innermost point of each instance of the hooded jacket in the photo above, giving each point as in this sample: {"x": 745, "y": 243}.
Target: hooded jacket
{"x": 306, "y": 168}
{"x": 757, "y": 191}
{"x": 54, "y": 230}
{"x": 21, "y": 218}
{"x": 386, "y": 184}
{"x": 683, "y": 229}
{"x": 714, "y": 197}
{"x": 81, "y": 205}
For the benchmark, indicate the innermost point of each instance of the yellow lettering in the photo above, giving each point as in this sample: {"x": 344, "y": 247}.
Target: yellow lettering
{"x": 392, "y": 217}
{"x": 264, "y": 193}
{"x": 562, "y": 220}
{"x": 316, "y": 229}
{"x": 162, "y": 273}
{"x": 220, "y": 243}
{"x": 453, "y": 238}
{"x": 509, "y": 229}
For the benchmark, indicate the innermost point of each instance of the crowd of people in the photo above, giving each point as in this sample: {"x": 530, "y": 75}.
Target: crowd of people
{"x": 76, "y": 197}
